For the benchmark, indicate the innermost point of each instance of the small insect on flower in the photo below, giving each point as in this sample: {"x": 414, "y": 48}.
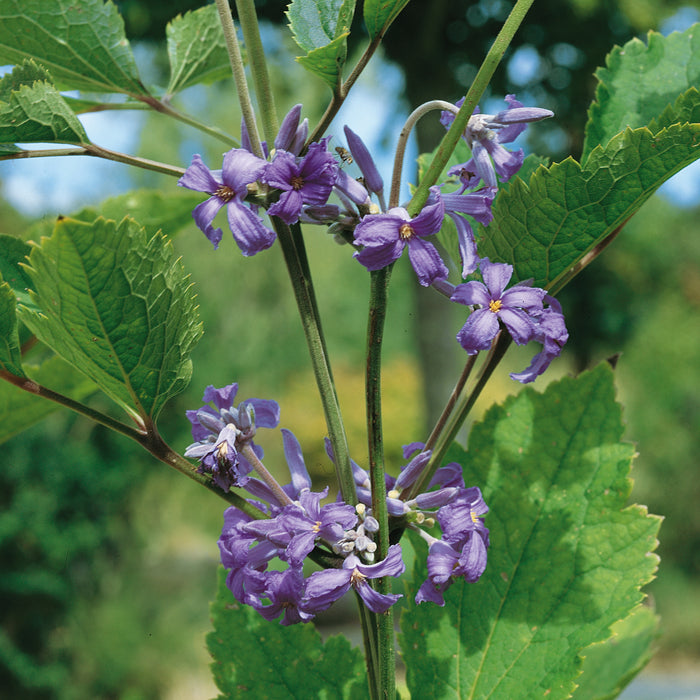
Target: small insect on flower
{"x": 343, "y": 154}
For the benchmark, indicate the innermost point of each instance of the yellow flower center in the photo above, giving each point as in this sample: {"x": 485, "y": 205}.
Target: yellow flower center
{"x": 317, "y": 526}
{"x": 495, "y": 305}
{"x": 356, "y": 578}
{"x": 225, "y": 192}
{"x": 406, "y": 232}
{"x": 474, "y": 516}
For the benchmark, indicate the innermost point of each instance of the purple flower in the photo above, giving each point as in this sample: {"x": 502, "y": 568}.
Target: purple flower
{"x": 551, "y": 332}
{"x": 229, "y": 187}
{"x": 384, "y": 237}
{"x": 219, "y": 433}
{"x": 308, "y": 180}
{"x": 485, "y": 133}
{"x": 323, "y": 588}
{"x": 517, "y": 307}
{"x": 284, "y": 590}
{"x": 373, "y": 180}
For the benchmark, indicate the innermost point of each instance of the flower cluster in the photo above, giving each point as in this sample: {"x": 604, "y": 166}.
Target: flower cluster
{"x": 293, "y": 523}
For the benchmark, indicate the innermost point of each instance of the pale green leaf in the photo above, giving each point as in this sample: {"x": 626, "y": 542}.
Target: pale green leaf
{"x": 640, "y": 81}
{"x": 32, "y": 110}
{"x": 610, "y": 665}
{"x": 321, "y": 28}
{"x": 547, "y": 226}
{"x": 196, "y": 49}
{"x": 114, "y": 303}
{"x": 82, "y": 44}
{"x": 567, "y": 555}
{"x": 21, "y": 409}
{"x": 379, "y": 14}
{"x": 267, "y": 661}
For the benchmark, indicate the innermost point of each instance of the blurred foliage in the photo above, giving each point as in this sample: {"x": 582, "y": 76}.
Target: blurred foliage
{"x": 108, "y": 559}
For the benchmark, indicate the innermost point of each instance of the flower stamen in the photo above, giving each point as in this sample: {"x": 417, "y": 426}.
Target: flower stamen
{"x": 225, "y": 193}
{"x": 406, "y": 231}
{"x": 495, "y": 305}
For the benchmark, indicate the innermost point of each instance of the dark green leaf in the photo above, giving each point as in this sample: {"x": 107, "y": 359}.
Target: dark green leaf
{"x": 567, "y": 559}
{"x": 115, "y": 304}
{"x": 545, "y": 228}
{"x": 81, "y": 43}
{"x": 10, "y": 356}
{"x": 260, "y": 659}
{"x": 610, "y": 665}
{"x": 321, "y": 28}
{"x": 639, "y": 82}
{"x": 196, "y": 49}
{"x": 20, "y": 409}
{"x": 379, "y": 14}
{"x": 31, "y": 109}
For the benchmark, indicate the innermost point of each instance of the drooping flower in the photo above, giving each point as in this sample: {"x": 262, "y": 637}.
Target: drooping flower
{"x": 551, "y": 332}
{"x": 384, "y": 237}
{"x": 517, "y": 308}
{"x": 485, "y": 134}
{"x": 229, "y": 187}
{"x": 308, "y": 180}
{"x": 219, "y": 433}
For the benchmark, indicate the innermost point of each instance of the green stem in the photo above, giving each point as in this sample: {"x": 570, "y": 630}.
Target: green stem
{"x": 341, "y": 93}
{"x": 267, "y": 478}
{"x": 460, "y": 413}
{"x": 92, "y": 150}
{"x": 145, "y": 435}
{"x": 476, "y": 90}
{"x": 375, "y": 334}
{"x": 294, "y": 253}
{"x": 258, "y": 68}
{"x": 369, "y": 641}
{"x": 239, "y": 78}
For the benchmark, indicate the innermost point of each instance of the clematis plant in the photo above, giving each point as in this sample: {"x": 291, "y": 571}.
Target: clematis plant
{"x": 511, "y": 561}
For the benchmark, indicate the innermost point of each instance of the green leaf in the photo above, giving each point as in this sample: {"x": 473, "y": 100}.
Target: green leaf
{"x": 115, "y": 304}
{"x": 196, "y": 49}
{"x": 567, "y": 557}
{"x": 20, "y": 409}
{"x": 256, "y": 658}
{"x": 321, "y": 28}
{"x": 546, "y": 227}
{"x": 379, "y": 14}
{"x": 14, "y": 251}
{"x": 639, "y": 82}
{"x": 610, "y": 665}
{"x": 10, "y": 356}
{"x": 81, "y": 43}
{"x": 32, "y": 110}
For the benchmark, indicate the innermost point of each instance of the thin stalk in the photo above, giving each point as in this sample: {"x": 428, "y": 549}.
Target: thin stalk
{"x": 410, "y": 122}
{"x": 267, "y": 478}
{"x": 145, "y": 435}
{"x": 449, "y": 406}
{"x": 460, "y": 413}
{"x": 342, "y": 91}
{"x": 98, "y": 152}
{"x": 258, "y": 68}
{"x": 369, "y": 643}
{"x": 474, "y": 94}
{"x": 294, "y": 254}
{"x": 375, "y": 334}
{"x": 239, "y": 78}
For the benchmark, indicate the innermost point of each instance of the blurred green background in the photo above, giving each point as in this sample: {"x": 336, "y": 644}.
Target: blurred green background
{"x": 107, "y": 559}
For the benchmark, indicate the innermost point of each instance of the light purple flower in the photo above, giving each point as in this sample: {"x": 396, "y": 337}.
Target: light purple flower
{"x": 373, "y": 180}
{"x": 485, "y": 133}
{"x": 229, "y": 187}
{"x": 284, "y": 590}
{"x": 308, "y": 180}
{"x": 219, "y": 433}
{"x": 323, "y": 588}
{"x": 551, "y": 332}
{"x": 384, "y": 237}
{"x": 517, "y": 307}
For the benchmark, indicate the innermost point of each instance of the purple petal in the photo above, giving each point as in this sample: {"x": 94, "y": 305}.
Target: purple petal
{"x": 350, "y": 187}
{"x": 240, "y": 169}
{"x": 323, "y": 588}
{"x": 221, "y": 398}
{"x": 295, "y": 461}
{"x": 431, "y": 593}
{"x": 496, "y": 276}
{"x": 248, "y": 230}
{"x": 520, "y": 326}
{"x": 378, "y": 257}
{"x": 280, "y": 172}
{"x": 430, "y": 218}
{"x": 391, "y": 566}
{"x": 506, "y": 162}
{"x": 426, "y": 261}
{"x": 198, "y": 177}
{"x": 267, "y": 412}
{"x": 364, "y": 161}
{"x": 483, "y": 165}
{"x": 288, "y": 129}
{"x": 288, "y": 206}
{"x": 478, "y": 332}
{"x": 467, "y": 244}
{"x": 376, "y": 602}
{"x": 381, "y": 229}
{"x": 470, "y": 293}
{"x": 473, "y": 558}
{"x": 203, "y": 215}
